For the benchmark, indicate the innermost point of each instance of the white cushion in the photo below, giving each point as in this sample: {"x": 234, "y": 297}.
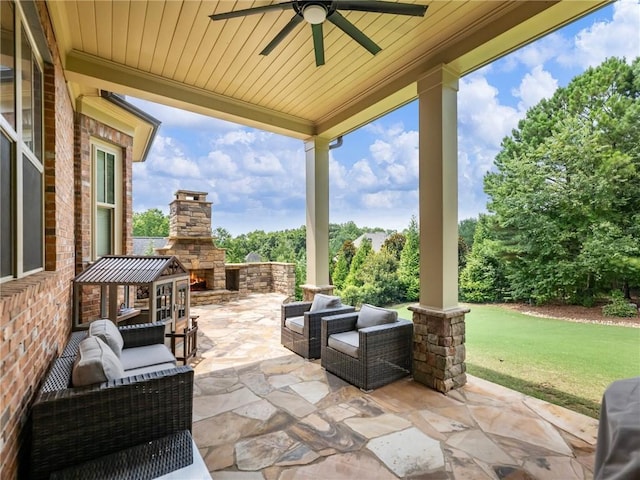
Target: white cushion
{"x": 295, "y": 323}
{"x": 371, "y": 316}
{"x": 324, "y": 302}
{"x": 95, "y": 363}
{"x": 146, "y": 356}
{"x": 345, "y": 342}
{"x": 108, "y": 333}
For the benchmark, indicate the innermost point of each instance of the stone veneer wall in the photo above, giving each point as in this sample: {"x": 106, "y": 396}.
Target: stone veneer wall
{"x": 259, "y": 277}
{"x": 35, "y": 311}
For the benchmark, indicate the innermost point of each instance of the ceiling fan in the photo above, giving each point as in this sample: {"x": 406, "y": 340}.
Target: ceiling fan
{"x": 315, "y": 12}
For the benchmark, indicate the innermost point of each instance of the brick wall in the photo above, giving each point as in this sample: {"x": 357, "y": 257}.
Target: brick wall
{"x": 87, "y": 128}
{"x": 35, "y": 311}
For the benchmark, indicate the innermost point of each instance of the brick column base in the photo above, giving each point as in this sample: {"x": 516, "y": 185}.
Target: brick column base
{"x": 309, "y": 291}
{"x": 438, "y": 347}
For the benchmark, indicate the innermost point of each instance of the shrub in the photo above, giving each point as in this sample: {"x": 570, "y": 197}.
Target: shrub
{"x": 619, "y": 306}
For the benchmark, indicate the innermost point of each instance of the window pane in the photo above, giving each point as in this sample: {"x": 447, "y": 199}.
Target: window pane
{"x": 32, "y": 217}
{"x": 27, "y": 92}
{"x": 100, "y": 176}
{"x": 6, "y": 207}
{"x": 37, "y": 110}
{"x": 7, "y": 63}
{"x": 104, "y": 226}
{"x": 111, "y": 185}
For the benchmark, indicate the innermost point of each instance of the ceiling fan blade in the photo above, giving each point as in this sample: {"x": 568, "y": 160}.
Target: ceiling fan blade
{"x": 283, "y": 33}
{"x": 382, "y": 7}
{"x": 318, "y": 43}
{"x": 350, "y": 29}
{"x": 251, "y": 11}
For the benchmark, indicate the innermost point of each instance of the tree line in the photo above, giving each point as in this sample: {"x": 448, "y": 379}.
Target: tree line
{"x": 563, "y": 221}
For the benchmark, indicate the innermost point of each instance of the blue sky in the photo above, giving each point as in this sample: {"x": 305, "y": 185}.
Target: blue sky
{"x": 255, "y": 179}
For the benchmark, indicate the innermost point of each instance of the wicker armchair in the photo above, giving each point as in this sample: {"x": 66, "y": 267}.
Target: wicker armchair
{"x": 70, "y": 425}
{"x": 306, "y": 341}
{"x": 379, "y": 355}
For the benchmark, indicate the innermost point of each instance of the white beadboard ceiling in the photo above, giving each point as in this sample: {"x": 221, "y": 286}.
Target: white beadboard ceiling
{"x": 171, "y": 52}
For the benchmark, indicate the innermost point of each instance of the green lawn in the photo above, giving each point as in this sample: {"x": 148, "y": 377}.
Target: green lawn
{"x": 566, "y": 363}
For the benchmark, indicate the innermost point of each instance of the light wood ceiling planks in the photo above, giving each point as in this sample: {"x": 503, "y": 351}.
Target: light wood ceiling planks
{"x": 177, "y": 44}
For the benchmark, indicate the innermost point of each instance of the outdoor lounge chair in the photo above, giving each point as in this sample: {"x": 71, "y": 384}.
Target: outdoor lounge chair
{"x": 369, "y": 348}
{"x": 300, "y": 323}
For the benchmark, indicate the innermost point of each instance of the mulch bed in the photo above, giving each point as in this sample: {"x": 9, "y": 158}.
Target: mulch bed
{"x": 574, "y": 313}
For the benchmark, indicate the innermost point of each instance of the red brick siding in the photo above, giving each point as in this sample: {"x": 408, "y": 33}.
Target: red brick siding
{"x": 86, "y": 129}
{"x": 35, "y": 311}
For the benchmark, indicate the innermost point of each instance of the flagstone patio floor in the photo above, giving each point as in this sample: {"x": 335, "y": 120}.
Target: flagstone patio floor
{"x": 263, "y": 412}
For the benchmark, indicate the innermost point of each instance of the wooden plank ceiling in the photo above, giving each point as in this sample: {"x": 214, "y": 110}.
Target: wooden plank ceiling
{"x": 170, "y": 51}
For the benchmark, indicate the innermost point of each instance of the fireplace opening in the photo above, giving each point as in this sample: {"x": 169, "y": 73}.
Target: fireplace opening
{"x": 198, "y": 281}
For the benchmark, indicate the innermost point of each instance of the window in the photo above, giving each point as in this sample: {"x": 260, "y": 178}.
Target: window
{"x": 21, "y": 173}
{"x": 107, "y": 214}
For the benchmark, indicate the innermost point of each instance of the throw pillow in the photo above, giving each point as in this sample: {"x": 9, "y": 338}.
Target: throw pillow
{"x": 107, "y": 331}
{"x": 323, "y": 302}
{"x": 95, "y": 363}
{"x": 370, "y": 316}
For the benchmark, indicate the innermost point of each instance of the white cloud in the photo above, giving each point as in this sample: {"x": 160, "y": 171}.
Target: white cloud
{"x": 362, "y": 176}
{"x": 480, "y": 113}
{"x": 535, "y": 86}
{"x": 262, "y": 163}
{"x": 221, "y": 163}
{"x": 167, "y": 158}
{"x": 618, "y": 37}
{"x": 234, "y": 137}
{"x": 541, "y": 51}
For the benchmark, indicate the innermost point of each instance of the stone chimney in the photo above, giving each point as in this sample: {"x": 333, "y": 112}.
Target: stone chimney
{"x": 190, "y": 215}
{"x": 191, "y": 240}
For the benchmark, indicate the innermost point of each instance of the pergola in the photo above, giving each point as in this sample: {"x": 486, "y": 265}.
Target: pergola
{"x": 171, "y": 52}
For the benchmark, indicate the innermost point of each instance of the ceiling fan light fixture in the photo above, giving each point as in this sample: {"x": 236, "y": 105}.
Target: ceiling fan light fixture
{"x": 314, "y": 14}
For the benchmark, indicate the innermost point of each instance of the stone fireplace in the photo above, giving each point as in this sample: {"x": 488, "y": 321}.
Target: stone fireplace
{"x": 212, "y": 280}
{"x": 190, "y": 240}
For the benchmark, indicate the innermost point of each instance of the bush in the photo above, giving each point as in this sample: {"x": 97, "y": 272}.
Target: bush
{"x": 619, "y": 306}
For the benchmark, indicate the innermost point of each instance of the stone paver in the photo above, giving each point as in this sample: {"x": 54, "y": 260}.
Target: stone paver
{"x": 262, "y": 412}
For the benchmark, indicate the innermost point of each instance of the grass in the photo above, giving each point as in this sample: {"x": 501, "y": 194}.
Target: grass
{"x": 565, "y": 363}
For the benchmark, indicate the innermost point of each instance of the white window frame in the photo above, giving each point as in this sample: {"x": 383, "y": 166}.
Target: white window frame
{"x": 22, "y": 152}
{"x": 117, "y": 206}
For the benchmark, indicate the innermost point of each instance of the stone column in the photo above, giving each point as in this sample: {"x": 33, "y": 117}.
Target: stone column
{"x": 317, "y": 202}
{"x": 438, "y": 347}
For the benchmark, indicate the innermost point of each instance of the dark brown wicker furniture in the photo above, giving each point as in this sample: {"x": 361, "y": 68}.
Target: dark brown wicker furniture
{"x": 174, "y": 454}
{"x": 384, "y": 353}
{"x": 73, "y": 425}
{"x": 306, "y": 344}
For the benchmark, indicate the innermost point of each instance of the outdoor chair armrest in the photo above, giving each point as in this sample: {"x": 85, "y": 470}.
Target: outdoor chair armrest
{"x": 142, "y": 334}
{"x": 294, "y": 309}
{"x": 337, "y": 324}
{"x": 402, "y": 323}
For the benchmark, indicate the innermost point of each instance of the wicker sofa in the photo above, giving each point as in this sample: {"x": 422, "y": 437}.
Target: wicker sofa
{"x": 300, "y": 325}
{"x": 70, "y": 425}
{"x": 372, "y": 355}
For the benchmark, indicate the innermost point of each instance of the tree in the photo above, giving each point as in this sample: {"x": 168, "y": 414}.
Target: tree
{"x": 151, "y": 223}
{"x": 466, "y": 229}
{"x": 394, "y": 244}
{"x": 341, "y": 269}
{"x": 483, "y": 277}
{"x": 354, "y": 277}
{"x": 409, "y": 266}
{"x": 381, "y": 283}
{"x": 566, "y": 190}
